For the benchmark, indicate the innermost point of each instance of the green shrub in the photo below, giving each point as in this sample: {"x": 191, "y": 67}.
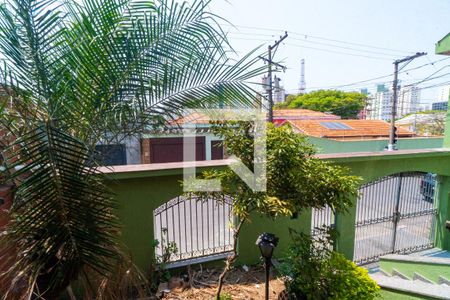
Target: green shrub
{"x": 313, "y": 271}
{"x": 348, "y": 281}
{"x": 225, "y": 297}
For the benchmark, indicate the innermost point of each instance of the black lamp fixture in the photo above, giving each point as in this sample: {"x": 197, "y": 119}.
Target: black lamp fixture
{"x": 267, "y": 243}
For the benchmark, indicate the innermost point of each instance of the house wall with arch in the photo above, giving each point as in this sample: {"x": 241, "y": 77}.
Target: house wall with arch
{"x": 141, "y": 189}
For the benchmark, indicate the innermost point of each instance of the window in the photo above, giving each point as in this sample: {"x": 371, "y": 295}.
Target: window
{"x": 335, "y": 125}
{"x": 112, "y": 154}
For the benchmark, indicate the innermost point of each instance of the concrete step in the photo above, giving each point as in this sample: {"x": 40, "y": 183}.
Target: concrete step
{"x": 419, "y": 277}
{"x": 427, "y": 269}
{"x": 398, "y": 274}
{"x": 443, "y": 280}
{"x": 415, "y": 287}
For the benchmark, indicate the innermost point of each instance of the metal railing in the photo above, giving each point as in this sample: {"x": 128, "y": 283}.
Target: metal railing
{"x": 320, "y": 218}
{"x": 193, "y": 228}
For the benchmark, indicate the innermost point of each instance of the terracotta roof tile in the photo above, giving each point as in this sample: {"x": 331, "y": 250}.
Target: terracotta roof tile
{"x": 302, "y": 114}
{"x": 193, "y": 118}
{"x": 357, "y": 129}
{"x": 280, "y": 114}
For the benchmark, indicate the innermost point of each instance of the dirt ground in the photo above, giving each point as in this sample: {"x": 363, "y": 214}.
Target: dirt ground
{"x": 239, "y": 284}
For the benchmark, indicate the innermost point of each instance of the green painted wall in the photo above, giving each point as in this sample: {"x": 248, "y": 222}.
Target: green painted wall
{"x": 249, "y": 252}
{"x": 446, "y": 142}
{"x": 371, "y": 167}
{"x": 137, "y": 198}
{"x": 443, "y": 208}
{"x": 345, "y": 224}
{"x": 443, "y": 46}
{"x": 334, "y": 146}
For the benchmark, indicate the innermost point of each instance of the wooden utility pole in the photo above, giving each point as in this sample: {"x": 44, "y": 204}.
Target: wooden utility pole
{"x": 270, "y": 62}
{"x": 269, "y": 75}
{"x": 392, "y": 133}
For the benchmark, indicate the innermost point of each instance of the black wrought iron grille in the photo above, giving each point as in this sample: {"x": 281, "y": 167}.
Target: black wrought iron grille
{"x": 395, "y": 214}
{"x": 193, "y": 227}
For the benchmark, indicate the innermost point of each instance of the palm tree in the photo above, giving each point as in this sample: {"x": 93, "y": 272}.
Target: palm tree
{"x": 74, "y": 73}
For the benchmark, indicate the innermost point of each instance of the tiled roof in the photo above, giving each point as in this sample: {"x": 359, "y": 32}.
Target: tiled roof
{"x": 280, "y": 114}
{"x": 192, "y": 118}
{"x": 358, "y": 129}
{"x": 302, "y": 114}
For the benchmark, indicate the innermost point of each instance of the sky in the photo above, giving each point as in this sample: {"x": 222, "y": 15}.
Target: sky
{"x": 369, "y": 35}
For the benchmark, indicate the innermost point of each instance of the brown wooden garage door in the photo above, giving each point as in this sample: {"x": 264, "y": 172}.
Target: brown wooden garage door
{"x": 164, "y": 150}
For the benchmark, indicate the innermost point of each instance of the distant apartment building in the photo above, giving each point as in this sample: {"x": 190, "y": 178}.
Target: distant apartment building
{"x": 278, "y": 91}
{"x": 379, "y": 104}
{"x": 408, "y": 100}
{"x": 439, "y": 105}
{"x": 443, "y": 97}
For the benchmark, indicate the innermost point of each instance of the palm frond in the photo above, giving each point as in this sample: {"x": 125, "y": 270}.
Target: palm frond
{"x": 62, "y": 215}
{"x": 76, "y": 72}
{"x": 30, "y": 35}
{"x": 154, "y": 59}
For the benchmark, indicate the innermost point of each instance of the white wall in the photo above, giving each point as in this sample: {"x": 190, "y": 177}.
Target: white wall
{"x": 133, "y": 150}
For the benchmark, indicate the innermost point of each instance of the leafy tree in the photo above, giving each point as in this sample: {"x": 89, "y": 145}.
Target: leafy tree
{"x": 435, "y": 126}
{"x": 344, "y": 104}
{"x": 430, "y": 122}
{"x": 75, "y": 72}
{"x": 288, "y": 100}
{"x": 295, "y": 179}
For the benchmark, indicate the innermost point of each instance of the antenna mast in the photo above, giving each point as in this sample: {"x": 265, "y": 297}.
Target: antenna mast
{"x": 302, "y": 84}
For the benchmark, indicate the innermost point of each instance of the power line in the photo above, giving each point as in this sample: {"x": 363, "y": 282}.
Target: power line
{"x": 431, "y": 78}
{"x": 379, "y": 77}
{"x": 344, "y": 47}
{"x": 410, "y": 84}
{"x": 338, "y": 52}
{"x": 435, "y": 85}
{"x": 343, "y": 53}
{"x": 320, "y": 49}
{"x": 321, "y": 38}
{"x": 318, "y": 43}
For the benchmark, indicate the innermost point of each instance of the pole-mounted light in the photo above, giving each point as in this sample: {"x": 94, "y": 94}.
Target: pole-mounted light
{"x": 267, "y": 243}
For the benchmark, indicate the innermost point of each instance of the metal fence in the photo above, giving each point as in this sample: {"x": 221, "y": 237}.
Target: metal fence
{"x": 193, "y": 227}
{"x": 320, "y": 218}
{"x": 395, "y": 214}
